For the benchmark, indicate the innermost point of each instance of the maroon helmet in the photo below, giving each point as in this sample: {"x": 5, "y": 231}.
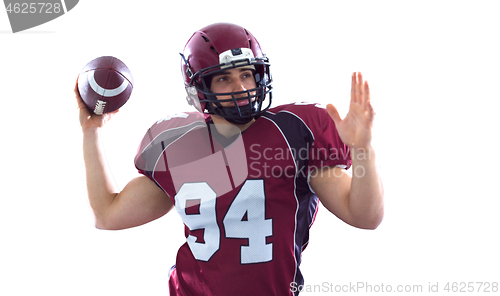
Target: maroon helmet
{"x": 217, "y": 48}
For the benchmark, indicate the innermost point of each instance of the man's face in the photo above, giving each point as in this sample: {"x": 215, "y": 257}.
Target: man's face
{"x": 233, "y": 80}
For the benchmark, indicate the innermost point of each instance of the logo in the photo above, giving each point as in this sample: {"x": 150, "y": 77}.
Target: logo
{"x": 26, "y": 14}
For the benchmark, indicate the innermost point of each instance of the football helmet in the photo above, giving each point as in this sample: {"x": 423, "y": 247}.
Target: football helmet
{"x": 219, "y": 47}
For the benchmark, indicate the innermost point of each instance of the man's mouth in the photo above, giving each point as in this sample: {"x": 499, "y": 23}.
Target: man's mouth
{"x": 241, "y": 102}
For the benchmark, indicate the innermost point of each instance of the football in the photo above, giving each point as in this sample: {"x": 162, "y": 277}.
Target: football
{"x": 105, "y": 84}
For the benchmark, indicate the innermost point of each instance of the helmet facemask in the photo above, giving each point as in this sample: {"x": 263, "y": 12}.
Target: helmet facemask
{"x": 201, "y": 96}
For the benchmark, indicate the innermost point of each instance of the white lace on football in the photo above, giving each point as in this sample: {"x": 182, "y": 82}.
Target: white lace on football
{"x": 99, "y": 107}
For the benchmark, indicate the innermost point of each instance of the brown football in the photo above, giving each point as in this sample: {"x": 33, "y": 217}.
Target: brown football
{"x": 105, "y": 84}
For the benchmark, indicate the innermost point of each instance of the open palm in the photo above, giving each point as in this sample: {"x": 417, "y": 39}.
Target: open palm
{"x": 355, "y": 129}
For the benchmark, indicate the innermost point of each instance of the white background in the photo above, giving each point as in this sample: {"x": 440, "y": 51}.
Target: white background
{"x": 433, "y": 70}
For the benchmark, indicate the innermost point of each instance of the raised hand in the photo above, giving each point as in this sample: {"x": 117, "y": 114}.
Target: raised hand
{"x": 355, "y": 130}
{"x": 87, "y": 119}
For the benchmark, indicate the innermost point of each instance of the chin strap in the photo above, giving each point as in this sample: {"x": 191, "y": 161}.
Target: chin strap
{"x": 239, "y": 120}
{"x": 232, "y": 115}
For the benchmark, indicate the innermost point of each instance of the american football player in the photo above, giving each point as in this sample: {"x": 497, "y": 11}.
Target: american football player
{"x": 245, "y": 178}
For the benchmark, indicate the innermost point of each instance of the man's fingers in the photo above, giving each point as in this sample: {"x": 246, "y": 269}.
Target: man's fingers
{"x": 357, "y": 88}
{"x": 353, "y": 88}
{"x": 334, "y": 114}
{"x": 360, "y": 88}
{"x": 77, "y": 95}
{"x": 367, "y": 96}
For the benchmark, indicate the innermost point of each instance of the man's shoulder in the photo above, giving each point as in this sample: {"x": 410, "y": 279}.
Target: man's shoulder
{"x": 176, "y": 123}
{"x": 309, "y": 113}
{"x": 298, "y": 107}
{"x": 179, "y": 120}
{"x": 165, "y": 132}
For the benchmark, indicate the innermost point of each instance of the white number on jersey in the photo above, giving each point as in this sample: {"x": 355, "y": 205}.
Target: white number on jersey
{"x": 206, "y": 219}
{"x": 245, "y": 218}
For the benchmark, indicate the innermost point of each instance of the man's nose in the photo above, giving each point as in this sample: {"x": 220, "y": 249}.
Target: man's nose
{"x": 238, "y": 85}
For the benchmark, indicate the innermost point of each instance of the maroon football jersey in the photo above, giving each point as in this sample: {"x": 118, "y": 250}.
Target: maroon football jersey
{"x": 245, "y": 201}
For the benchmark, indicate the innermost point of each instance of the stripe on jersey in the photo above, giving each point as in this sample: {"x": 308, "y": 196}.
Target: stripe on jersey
{"x": 299, "y": 139}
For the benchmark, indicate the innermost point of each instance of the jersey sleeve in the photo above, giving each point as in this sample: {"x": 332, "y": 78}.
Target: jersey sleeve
{"x": 150, "y": 156}
{"x": 327, "y": 148}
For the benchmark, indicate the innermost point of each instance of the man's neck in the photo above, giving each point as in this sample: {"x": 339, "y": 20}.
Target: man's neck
{"x": 228, "y": 129}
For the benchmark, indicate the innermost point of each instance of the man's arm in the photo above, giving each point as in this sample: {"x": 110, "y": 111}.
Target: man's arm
{"x": 140, "y": 202}
{"x": 356, "y": 199}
